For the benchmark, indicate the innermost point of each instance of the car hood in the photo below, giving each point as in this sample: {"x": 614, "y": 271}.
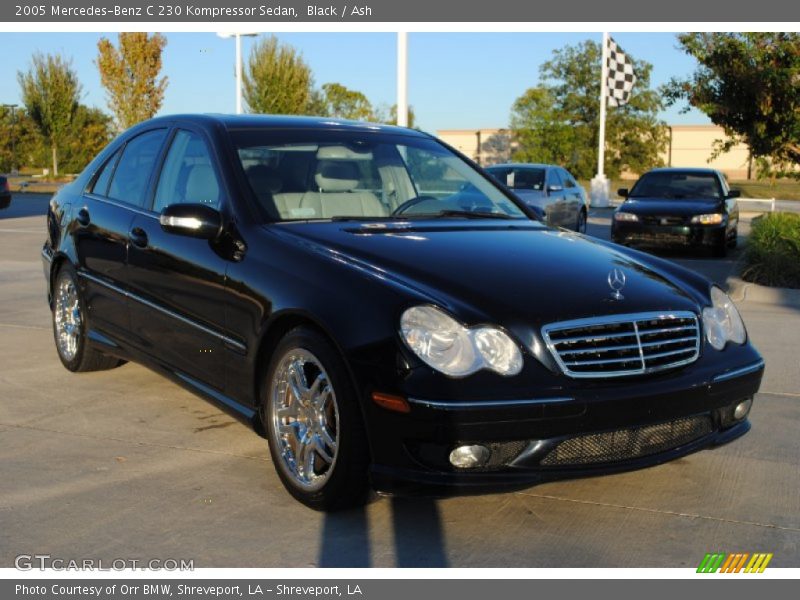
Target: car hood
{"x": 499, "y": 272}
{"x": 665, "y": 206}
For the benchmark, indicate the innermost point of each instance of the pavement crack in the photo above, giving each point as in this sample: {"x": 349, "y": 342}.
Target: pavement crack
{"x": 670, "y": 513}
{"x": 103, "y": 438}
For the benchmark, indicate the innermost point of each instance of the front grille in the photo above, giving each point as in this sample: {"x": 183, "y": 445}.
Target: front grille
{"x": 626, "y": 444}
{"x": 665, "y": 221}
{"x": 624, "y": 344}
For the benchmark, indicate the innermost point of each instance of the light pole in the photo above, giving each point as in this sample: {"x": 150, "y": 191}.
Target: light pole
{"x": 13, "y": 109}
{"x": 238, "y": 37}
{"x": 402, "y": 79}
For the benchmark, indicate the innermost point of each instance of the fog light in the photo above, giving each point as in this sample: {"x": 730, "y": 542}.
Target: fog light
{"x": 742, "y": 409}
{"x": 469, "y": 457}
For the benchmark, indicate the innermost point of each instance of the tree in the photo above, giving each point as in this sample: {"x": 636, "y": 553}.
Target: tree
{"x": 91, "y": 131}
{"x": 50, "y": 93}
{"x": 388, "y": 115}
{"x": 21, "y": 143}
{"x": 342, "y": 103}
{"x": 277, "y": 80}
{"x": 748, "y": 84}
{"x": 558, "y": 120}
{"x": 130, "y": 75}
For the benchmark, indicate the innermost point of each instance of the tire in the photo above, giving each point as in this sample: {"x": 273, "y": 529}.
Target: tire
{"x": 580, "y": 226}
{"x": 734, "y": 241}
{"x": 307, "y": 395}
{"x": 720, "y": 250}
{"x": 69, "y": 327}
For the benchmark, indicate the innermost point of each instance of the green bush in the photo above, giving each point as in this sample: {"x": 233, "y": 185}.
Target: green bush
{"x": 773, "y": 251}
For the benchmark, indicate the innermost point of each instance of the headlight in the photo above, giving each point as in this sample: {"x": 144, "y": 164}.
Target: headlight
{"x": 625, "y": 217}
{"x": 446, "y": 345}
{"x": 712, "y": 219}
{"x": 722, "y": 322}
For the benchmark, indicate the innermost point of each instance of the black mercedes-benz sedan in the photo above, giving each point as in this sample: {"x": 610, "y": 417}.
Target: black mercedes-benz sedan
{"x": 330, "y": 283}
{"x": 678, "y": 207}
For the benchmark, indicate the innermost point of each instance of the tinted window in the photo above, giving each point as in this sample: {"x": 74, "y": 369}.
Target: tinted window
{"x": 133, "y": 171}
{"x": 101, "y": 183}
{"x": 188, "y": 175}
{"x": 677, "y": 185}
{"x": 519, "y": 178}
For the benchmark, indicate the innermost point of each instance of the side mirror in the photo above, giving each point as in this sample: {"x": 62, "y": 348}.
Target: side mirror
{"x": 622, "y": 192}
{"x": 734, "y": 193}
{"x": 192, "y": 220}
{"x": 554, "y": 188}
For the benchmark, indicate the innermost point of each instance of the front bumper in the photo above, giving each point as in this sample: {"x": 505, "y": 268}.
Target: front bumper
{"x": 661, "y": 235}
{"x": 412, "y": 456}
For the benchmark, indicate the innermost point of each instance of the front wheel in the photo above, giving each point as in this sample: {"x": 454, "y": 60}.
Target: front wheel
{"x": 69, "y": 327}
{"x": 313, "y": 422}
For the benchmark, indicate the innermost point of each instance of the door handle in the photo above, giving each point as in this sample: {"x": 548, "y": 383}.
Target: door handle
{"x": 138, "y": 237}
{"x": 83, "y": 217}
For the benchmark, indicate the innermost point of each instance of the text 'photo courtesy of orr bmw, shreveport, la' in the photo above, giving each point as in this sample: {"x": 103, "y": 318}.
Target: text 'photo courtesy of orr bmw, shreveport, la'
{"x": 387, "y": 315}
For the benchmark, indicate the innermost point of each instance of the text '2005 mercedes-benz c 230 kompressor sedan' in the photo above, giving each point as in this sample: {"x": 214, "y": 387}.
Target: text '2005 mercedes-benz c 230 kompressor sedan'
{"x": 383, "y": 311}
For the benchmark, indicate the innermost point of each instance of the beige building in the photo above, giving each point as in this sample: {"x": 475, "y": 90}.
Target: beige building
{"x": 688, "y": 146}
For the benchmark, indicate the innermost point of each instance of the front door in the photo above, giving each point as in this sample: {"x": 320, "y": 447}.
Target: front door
{"x": 177, "y": 283}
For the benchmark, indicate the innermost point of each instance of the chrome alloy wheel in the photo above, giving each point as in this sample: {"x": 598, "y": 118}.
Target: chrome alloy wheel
{"x": 305, "y": 419}
{"x": 68, "y": 318}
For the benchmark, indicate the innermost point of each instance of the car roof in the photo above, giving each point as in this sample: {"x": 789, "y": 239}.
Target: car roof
{"x": 251, "y": 121}
{"x": 682, "y": 170}
{"x": 536, "y": 165}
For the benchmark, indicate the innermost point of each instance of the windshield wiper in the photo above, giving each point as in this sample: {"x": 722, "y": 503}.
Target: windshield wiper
{"x": 472, "y": 214}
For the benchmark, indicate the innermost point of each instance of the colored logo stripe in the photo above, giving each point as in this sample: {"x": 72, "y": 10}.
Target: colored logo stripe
{"x": 734, "y": 563}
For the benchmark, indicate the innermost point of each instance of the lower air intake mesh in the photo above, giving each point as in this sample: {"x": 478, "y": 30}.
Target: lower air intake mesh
{"x": 625, "y": 444}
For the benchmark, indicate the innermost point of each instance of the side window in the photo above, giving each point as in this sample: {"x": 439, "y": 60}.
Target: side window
{"x": 100, "y": 186}
{"x": 132, "y": 174}
{"x": 188, "y": 175}
{"x": 553, "y": 178}
{"x": 569, "y": 181}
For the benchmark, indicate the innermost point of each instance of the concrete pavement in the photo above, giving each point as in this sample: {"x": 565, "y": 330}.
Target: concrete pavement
{"x": 124, "y": 464}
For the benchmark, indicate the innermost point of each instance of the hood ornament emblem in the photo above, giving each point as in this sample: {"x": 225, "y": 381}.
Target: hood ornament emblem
{"x": 616, "y": 281}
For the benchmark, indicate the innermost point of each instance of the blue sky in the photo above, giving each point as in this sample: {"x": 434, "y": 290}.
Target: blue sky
{"x": 456, "y": 80}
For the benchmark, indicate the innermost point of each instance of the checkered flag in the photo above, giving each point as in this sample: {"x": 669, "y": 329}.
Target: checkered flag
{"x": 620, "y": 75}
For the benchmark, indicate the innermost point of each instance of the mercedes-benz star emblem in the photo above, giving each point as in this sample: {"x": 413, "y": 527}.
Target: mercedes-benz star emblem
{"x": 616, "y": 281}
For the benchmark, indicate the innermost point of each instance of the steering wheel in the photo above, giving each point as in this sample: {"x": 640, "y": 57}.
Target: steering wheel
{"x": 412, "y": 203}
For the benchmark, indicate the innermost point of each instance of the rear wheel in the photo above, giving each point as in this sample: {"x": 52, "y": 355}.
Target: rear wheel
{"x": 69, "y": 326}
{"x": 313, "y": 422}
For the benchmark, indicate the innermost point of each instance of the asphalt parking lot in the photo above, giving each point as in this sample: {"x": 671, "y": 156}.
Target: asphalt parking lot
{"x": 125, "y": 464}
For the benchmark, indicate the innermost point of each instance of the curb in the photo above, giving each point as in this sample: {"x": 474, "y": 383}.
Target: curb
{"x": 744, "y": 291}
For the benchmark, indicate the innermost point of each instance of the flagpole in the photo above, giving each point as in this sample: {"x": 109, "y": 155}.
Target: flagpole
{"x": 599, "y": 191}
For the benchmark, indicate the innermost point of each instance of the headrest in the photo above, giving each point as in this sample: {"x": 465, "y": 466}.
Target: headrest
{"x": 202, "y": 186}
{"x": 337, "y": 175}
{"x": 264, "y": 179}
{"x": 341, "y": 153}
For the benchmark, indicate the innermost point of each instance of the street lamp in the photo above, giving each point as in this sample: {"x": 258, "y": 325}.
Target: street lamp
{"x": 13, "y": 109}
{"x": 238, "y": 37}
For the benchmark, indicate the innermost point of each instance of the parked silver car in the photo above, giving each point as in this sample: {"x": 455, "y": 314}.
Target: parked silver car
{"x": 551, "y": 191}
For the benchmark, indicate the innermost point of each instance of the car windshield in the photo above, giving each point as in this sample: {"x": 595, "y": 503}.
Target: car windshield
{"x": 519, "y": 178}
{"x": 336, "y": 175}
{"x": 677, "y": 185}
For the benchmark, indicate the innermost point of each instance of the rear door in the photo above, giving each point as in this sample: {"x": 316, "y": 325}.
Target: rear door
{"x": 101, "y": 222}
{"x": 178, "y": 282}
